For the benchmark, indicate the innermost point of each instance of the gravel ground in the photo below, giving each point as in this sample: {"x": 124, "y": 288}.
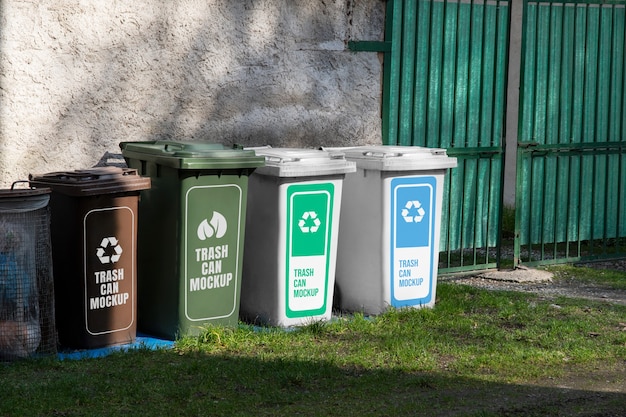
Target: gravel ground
{"x": 542, "y": 282}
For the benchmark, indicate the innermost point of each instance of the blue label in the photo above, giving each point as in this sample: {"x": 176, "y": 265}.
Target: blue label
{"x": 412, "y": 236}
{"x": 413, "y": 215}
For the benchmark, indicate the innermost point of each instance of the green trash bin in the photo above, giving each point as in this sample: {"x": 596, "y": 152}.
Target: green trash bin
{"x": 191, "y": 234}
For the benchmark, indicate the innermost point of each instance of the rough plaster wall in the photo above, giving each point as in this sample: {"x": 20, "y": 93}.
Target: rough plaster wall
{"x": 77, "y": 76}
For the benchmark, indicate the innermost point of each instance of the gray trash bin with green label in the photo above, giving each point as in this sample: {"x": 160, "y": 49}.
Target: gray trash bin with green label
{"x": 191, "y": 234}
{"x": 291, "y": 236}
{"x": 388, "y": 247}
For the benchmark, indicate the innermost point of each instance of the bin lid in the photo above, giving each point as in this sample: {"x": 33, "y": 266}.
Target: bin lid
{"x": 191, "y": 155}
{"x": 21, "y": 200}
{"x": 92, "y": 181}
{"x": 294, "y": 162}
{"x": 398, "y": 158}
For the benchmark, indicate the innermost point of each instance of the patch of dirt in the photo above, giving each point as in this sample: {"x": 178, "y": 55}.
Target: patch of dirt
{"x": 599, "y": 379}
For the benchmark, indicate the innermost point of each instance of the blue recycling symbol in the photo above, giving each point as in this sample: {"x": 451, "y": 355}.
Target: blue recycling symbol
{"x": 413, "y": 212}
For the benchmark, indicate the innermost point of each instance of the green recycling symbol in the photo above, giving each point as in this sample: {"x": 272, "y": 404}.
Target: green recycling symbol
{"x": 309, "y": 223}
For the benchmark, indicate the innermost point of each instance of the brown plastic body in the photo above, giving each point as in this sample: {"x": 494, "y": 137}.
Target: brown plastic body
{"x": 94, "y": 235}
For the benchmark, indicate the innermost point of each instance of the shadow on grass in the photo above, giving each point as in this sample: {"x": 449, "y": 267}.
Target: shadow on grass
{"x": 168, "y": 383}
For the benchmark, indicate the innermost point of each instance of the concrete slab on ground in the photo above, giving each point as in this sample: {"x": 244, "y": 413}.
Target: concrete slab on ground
{"x": 520, "y": 274}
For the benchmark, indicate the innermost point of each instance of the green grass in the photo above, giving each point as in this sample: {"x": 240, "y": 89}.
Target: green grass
{"x": 476, "y": 353}
{"x": 583, "y": 275}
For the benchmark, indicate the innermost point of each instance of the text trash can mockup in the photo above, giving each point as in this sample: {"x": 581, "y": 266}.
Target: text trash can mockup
{"x": 191, "y": 242}
{"x": 291, "y": 236}
{"x": 388, "y": 246}
{"x": 94, "y": 236}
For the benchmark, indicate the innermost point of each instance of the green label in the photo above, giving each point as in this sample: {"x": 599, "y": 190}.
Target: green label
{"x": 309, "y": 227}
{"x": 212, "y": 234}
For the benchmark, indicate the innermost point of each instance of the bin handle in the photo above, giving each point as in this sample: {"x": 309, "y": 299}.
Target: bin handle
{"x": 173, "y": 147}
{"x": 279, "y": 159}
{"x": 18, "y": 182}
{"x": 336, "y": 155}
{"x": 382, "y": 154}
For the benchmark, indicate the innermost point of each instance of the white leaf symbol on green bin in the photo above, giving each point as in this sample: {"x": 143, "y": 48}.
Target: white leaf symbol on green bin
{"x": 304, "y": 222}
{"x": 217, "y": 226}
{"x": 406, "y": 212}
{"x": 102, "y": 250}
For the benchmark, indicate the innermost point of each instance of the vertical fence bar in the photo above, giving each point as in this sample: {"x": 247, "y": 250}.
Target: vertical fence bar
{"x": 497, "y": 140}
{"x": 581, "y": 35}
{"x": 467, "y": 134}
{"x": 620, "y": 39}
{"x": 567, "y": 60}
{"x": 544, "y": 136}
{"x": 392, "y": 71}
{"x": 407, "y": 74}
{"x": 607, "y": 43}
{"x": 592, "y": 129}
{"x": 556, "y": 40}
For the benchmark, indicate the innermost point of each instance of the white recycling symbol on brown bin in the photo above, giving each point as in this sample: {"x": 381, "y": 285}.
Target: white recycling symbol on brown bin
{"x": 109, "y": 242}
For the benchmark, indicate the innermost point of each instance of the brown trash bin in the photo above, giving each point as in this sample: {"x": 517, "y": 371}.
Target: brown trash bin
{"x": 94, "y": 235}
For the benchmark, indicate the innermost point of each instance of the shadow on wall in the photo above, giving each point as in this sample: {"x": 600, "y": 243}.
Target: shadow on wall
{"x": 234, "y": 72}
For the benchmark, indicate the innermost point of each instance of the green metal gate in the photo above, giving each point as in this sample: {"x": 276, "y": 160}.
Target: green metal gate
{"x": 571, "y": 161}
{"x": 446, "y": 77}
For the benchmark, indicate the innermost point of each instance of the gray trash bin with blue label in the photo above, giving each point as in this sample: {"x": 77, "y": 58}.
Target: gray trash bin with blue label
{"x": 388, "y": 246}
{"x": 291, "y": 236}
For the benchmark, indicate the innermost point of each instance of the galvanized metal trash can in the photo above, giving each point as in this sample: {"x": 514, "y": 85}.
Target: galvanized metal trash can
{"x": 27, "y": 322}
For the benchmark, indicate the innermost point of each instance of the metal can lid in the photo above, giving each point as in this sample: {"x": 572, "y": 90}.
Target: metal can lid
{"x": 19, "y": 200}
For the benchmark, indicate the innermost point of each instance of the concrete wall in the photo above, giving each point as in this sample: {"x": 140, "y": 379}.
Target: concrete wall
{"x": 77, "y": 76}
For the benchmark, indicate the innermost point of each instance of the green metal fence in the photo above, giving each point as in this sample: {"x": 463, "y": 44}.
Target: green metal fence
{"x": 571, "y": 164}
{"x": 445, "y": 86}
